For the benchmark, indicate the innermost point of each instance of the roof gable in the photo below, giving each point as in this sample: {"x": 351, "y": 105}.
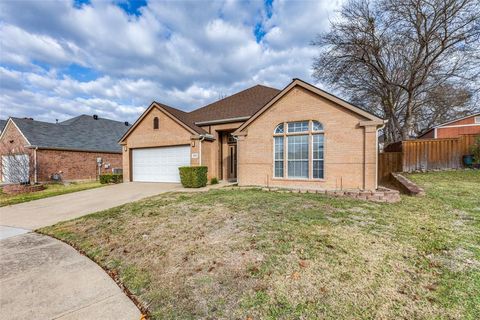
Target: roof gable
{"x": 449, "y": 123}
{"x": 9, "y": 123}
{"x": 177, "y": 115}
{"x": 311, "y": 88}
{"x": 459, "y": 119}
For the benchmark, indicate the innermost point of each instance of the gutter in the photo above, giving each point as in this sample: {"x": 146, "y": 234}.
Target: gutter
{"x": 205, "y": 136}
{"x": 70, "y": 149}
{"x": 227, "y": 120}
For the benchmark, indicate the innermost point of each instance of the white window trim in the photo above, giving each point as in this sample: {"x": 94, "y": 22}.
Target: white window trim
{"x": 286, "y": 124}
{"x": 322, "y": 159}
{"x": 283, "y": 159}
{"x": 310, "y": 133}
{"x": 309, "y": 176}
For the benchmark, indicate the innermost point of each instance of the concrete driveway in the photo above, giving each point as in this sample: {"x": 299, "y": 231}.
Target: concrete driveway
{"x": 43, "y": 278}
{"x": 45, "y": 212}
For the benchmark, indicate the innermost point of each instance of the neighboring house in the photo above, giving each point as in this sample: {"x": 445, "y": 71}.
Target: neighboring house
{"x": 300, "y": 136}
{"x": 454, "y": 128}
{"x": 75, "y": 149}
{"x": 2, "y": 125}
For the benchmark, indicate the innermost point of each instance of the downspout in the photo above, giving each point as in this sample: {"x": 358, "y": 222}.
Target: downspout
{"x": 376, "y": 153}
{"x": 202, "y": 137}
{"x": 35, "y": 165}
{"x": 238, "y": 148}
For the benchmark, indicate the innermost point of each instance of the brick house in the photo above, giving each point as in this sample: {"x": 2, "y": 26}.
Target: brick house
{"x": 299, "y": 136}
{"x": 454, "y": 128}
{"x": 75, "y": 149}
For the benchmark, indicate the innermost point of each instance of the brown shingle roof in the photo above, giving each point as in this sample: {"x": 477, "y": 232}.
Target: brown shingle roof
{"x": 183, "y": 117}
{"x": 242, "y": 104}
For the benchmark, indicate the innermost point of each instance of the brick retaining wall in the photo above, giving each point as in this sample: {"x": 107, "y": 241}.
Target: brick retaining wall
{"x": 380, "y": 195}
{"x": 13, "y": 189}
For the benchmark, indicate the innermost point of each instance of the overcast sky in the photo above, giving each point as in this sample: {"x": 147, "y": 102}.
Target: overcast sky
{"x": 59, "y": 59}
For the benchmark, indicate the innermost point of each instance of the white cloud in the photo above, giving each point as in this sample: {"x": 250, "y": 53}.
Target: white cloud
{"x": 185, "y": 54}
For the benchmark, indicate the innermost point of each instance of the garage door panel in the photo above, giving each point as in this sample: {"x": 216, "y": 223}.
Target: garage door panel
{"x": 159, "y": 164}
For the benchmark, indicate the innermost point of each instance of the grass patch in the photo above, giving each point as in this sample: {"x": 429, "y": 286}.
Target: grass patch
{"x": 51, "y": 190}
{"x": 229, "y": 254}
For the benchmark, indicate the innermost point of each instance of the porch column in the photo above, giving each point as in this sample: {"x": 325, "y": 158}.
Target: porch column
{"x": 370, "y": 150}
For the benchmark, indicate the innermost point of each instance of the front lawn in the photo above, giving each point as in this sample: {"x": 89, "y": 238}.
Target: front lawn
{"x": 252, "y": 254}
{"x": 50, "y": 191}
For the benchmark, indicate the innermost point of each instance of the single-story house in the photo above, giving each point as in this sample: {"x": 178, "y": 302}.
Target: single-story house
{"x": 76, "y": 149}
{"x": 299, "y": 136}
{"x": 454, "y": 128}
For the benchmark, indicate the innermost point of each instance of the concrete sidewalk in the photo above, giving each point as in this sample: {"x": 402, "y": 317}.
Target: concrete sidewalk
{"x": 43, "y": 278}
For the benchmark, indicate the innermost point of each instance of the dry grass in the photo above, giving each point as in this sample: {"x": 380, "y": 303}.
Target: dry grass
{"x": 239, "y": 254}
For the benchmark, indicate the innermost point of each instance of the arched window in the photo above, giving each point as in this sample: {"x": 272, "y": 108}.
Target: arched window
{"x": 279, "y": 128}
{"x": 155, "y": 123}
{"x": 317, "y": 126}
{"x": 299, "y": 150}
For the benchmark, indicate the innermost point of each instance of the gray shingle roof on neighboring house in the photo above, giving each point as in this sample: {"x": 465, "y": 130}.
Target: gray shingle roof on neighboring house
{"x": 80, "y": 133}
{"x": 3, "y": 123}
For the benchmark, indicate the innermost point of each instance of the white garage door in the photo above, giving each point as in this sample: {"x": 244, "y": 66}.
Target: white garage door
{"x": 159, "y": 164}
{"x": 15, "y": 168}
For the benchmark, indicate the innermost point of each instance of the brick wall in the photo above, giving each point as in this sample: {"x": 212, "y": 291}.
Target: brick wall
{"x": 74, "y": 165}
{"x": 455, "y": 132}
{"x": 350, "y": 150}
{"x": 454, "y": 129}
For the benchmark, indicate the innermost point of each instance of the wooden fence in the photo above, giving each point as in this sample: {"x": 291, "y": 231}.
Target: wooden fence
{"x": 425, "y": 154}
{"x": 388, "y": 162}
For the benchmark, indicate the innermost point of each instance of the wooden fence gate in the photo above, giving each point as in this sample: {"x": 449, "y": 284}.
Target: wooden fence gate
{"x": 425, "y": 154}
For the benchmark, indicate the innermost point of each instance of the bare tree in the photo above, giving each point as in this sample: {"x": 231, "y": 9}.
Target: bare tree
{"x": 442, "y": 104}
{"x": 414, "y": 62}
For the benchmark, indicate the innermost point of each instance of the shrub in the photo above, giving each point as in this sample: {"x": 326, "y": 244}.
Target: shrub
{"x": 193, "y": 177}
{"x": 475, "y": 150}
{"x": 111, "y": 178}
{"x": 214, "y": 180}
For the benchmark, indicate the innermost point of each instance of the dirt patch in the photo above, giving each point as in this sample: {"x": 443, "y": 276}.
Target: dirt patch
{"x": 457, "y": 260}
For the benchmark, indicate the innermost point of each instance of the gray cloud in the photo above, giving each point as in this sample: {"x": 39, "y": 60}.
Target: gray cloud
{"x": 184, "y": 54}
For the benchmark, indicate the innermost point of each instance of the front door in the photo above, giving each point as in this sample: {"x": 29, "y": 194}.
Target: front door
{"x": 232, "y": 162}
